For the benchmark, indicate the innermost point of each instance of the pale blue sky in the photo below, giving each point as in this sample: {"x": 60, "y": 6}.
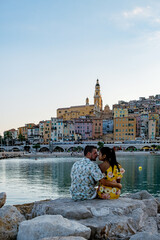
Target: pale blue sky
{"x": 52, "y": 52}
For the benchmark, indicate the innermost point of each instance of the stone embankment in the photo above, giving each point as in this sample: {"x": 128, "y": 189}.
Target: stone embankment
{"x": 4, "y": 155}
{"x": 134, "y": 216}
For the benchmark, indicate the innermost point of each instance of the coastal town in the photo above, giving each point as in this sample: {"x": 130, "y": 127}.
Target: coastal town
{"x": 136, "y": 120}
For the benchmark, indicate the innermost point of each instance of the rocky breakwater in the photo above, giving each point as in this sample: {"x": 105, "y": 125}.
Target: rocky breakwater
{"x": 135, "y": 216}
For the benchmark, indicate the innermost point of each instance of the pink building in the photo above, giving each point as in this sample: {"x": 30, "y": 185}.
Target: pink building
{"x": 83, "y": 126}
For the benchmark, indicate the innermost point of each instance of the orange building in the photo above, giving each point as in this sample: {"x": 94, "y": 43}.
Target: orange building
{"x": 124, "y": 128}
{"x": 97, "y": 128}
{"x": 45, "y": 131}
{"x": 23, "y": 131}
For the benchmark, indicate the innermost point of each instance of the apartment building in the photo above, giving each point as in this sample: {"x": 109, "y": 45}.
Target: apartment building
{"x": 23, "y": 131}
{"x": 33, "y": 135}
{"x": 57, "y": 129}
{"x": 124, "y": 128}
{"x": 83, "y": 127}
{"x": 68, "y": 131}
{"x": 13, "y": 133}
{"x": 120, "y": 112}
{"x": 45, "y": 131}
{"x": 152, "y": 129}
{"x": 107, "y": 126}
{"x": 97, "y": 128}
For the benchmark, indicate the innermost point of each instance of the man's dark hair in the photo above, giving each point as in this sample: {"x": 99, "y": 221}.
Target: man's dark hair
{"x": 89, "y": 148}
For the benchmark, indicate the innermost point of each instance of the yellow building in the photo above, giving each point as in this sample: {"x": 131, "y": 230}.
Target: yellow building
{"x": 120, "y": 112}
{"x": 124, "y": 128}
{"x": 23, "y": 131}
{"x": 83, "y": 110}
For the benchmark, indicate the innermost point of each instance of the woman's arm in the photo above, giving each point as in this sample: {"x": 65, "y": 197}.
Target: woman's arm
{"x": 108, "y": 183}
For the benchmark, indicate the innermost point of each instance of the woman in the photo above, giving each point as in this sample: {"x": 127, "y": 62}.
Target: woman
{"x": 112, "y": 171}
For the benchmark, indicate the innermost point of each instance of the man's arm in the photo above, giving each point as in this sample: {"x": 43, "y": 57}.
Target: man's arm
{"x": 108, "y": 183}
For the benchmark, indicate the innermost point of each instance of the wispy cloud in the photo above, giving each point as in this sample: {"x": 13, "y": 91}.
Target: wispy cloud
{"x": 137, "y": 12}
{"x": 138, "y": 18}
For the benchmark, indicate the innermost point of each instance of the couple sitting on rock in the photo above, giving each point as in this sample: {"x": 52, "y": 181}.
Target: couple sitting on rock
{"x": 86, "y": 175}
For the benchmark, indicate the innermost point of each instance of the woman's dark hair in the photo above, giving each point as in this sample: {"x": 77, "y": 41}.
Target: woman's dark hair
{"x": 110, "y": 156}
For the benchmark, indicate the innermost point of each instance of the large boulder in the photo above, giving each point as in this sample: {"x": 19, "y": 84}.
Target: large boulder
{"x": 2, "y": 199}
{"x": 62, "y": 206}
{"x": 85, "y": 209}
{"x": 10, "y": 218}
{"x": 146, "y": 236}
{"x": 114, "y": 219}
{"x": 151, "y": 207}
{"x": 51, "y": 226}
{"x": 139, "y": 195}
{"x": 158, "y": 202}
{"x": 158, "y": 221}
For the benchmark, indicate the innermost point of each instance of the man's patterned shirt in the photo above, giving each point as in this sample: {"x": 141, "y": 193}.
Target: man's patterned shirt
{"x": 84, "y": 176}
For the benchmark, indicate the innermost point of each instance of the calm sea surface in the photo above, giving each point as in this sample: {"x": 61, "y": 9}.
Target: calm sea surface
{"x": 27, "y": 180}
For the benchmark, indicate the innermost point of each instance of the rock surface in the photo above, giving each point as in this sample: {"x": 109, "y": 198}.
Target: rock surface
{"x": 139, "y": 195}
{"x": 117, "y": 219}
{"x": 145, "y": 236}
{"x": 51, "y": 226}
{"x": 2, "y": 199}
{"x": 10, "y": 219}
{"x": 65, "y": 238}
{"x": 133, "y": 216}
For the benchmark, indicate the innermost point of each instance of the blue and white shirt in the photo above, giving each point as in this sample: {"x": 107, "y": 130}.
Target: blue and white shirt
{"x": 84, "y": 176}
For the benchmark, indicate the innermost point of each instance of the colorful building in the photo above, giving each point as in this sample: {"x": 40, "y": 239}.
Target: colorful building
{"x": 120, "y": 112}
{"x": 57, "y": 129}
{"x": 23, "y": 131}
{"x": 45, "y": 131}
{"x": 152, "y": 129}
{"x": 68, "y": 131}
{"x": 124, "y": 128}
{"x": 107, "y": 126}
{"x": 83, "y": 127}
{"x": 97, "y": 128}
{"x": 13, "y": 133}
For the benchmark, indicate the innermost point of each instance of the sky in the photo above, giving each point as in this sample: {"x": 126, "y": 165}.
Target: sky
{"x": 52, "y": 52}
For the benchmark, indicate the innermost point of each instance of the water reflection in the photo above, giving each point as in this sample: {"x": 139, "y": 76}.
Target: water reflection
{"x": 146, "y": 179}
{"x": 27, "y": 180}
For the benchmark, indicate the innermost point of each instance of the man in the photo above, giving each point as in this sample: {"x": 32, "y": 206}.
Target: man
{"x": 85, "y": 174}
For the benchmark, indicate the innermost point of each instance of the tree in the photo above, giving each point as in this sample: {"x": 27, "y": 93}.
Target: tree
{"x": 1, "y": 140}
{"x": 100, "y": 145}
{"x": 8, "y": 137}
{"x": 36, "y": 146}
{"x": 21, "y": 138}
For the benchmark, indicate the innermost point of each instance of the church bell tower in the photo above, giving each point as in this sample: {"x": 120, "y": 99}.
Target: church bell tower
{"x": 97, "y": 97}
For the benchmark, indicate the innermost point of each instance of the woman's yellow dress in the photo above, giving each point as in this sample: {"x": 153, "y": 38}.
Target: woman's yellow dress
{"x": 105, "y": 192}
